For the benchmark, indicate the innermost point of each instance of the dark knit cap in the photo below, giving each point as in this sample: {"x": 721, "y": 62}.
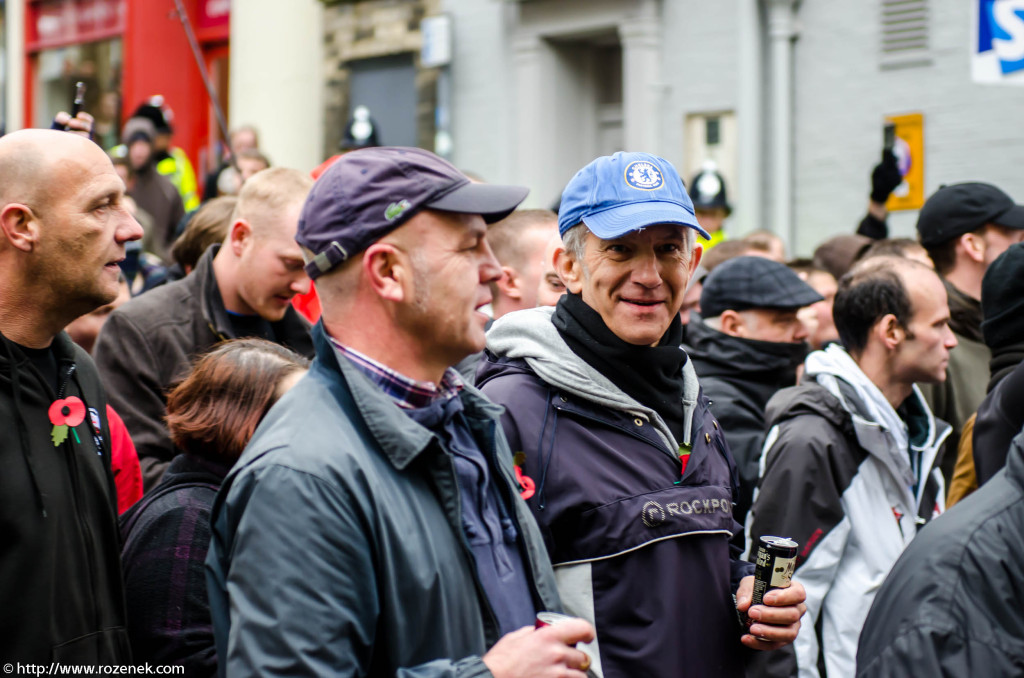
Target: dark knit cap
{"x": 1002, "y": 299}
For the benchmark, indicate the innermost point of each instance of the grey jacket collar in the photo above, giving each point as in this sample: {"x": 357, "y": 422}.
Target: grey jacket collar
{"x": 530, "y": 335}
{"x": 879, "y": 429}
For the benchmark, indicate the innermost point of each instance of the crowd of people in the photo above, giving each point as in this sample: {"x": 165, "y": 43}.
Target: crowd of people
{"x": 378, "y": 420}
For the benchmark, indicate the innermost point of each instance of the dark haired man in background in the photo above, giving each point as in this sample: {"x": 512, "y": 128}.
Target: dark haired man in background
{"x": 847, "y": 468}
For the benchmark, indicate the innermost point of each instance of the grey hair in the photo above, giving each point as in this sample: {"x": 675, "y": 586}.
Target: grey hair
{"x": 575, "y": 242}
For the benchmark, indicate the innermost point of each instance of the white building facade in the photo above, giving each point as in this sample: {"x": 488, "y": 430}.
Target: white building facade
{"x": 788, "y": 98}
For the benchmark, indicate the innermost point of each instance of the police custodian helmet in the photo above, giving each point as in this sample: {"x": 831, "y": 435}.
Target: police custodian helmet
{"x": 707, "y": 189}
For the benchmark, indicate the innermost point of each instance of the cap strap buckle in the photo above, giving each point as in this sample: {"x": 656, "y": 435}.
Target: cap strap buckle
{"x": 324, "y": 262}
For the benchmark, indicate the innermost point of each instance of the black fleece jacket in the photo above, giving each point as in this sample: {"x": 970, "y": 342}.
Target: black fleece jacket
{"x": 61, "y": 590}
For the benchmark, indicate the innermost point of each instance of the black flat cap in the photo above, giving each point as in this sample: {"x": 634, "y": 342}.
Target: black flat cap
{"x": 743, "y": 283}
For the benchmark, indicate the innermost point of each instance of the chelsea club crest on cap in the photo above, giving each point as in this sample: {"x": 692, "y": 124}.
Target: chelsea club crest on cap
{"x": 644, "y": 175}
{"x": 617, "y": 194}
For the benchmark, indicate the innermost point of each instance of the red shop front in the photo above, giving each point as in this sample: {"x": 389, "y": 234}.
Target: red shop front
{"x": 127, "y": 51}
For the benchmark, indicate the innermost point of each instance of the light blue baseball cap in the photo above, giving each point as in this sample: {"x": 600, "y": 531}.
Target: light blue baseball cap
{"x": 617, "y": 194}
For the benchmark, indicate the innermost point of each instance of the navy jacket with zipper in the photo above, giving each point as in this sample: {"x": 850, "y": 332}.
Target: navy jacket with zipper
{"x": 639, "y": 548}
{"x": 61, "y": 591}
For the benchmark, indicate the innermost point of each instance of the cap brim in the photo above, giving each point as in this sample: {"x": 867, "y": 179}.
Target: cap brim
{"x": 492, "y": 202}
{"x": 1011, "y": 218}
{"x": 618, "y": 221}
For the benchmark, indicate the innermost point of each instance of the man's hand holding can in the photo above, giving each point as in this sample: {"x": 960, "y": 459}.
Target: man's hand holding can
{"x": 546, "y": 650}
{"x": 770, "y": 602}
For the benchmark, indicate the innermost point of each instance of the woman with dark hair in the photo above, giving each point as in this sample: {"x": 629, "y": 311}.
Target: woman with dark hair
{"x": 211, "y": 415}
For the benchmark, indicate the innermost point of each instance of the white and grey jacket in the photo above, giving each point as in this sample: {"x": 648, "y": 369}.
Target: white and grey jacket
{"x": 851, "y": 480}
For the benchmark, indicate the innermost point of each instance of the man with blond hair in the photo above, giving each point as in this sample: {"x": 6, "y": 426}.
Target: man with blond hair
{"x": 519, "y": 242}
{"x": 241, "y": 288}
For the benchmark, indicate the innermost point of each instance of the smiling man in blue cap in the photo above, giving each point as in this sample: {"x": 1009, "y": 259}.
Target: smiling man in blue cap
{"x": 623, "y": 463}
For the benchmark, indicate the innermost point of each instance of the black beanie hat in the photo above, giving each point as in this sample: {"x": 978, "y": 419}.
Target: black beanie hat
{"x": 1002, "y": 299}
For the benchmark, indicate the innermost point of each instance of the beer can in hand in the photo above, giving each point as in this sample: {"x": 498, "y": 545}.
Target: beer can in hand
{"x": 776, "y": 560}
{"x": 550, "y": 619}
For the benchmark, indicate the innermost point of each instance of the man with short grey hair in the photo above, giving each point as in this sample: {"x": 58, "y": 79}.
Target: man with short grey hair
{"x": 623, "y": 463}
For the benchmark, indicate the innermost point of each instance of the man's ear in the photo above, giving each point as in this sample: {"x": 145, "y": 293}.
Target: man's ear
{"x": 732, "y": 323}
{"x": 510, "y": 283}
{"x": 695, "y": 257}
{"x": 238, "y": 236}
{"x": 569, "y": 270}
{"x": 19, "y": 226}
{"x": 388, "y": 272}
{"x": 973, "y": 245}
{"x": 889, "y": 331}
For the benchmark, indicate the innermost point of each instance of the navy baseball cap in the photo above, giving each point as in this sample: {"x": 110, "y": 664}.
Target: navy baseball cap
{"x": 742, "y": 283}
{"x": 957, "y": 209}
{"x": 370, "y": 192}
{"x": 617, "y": 194}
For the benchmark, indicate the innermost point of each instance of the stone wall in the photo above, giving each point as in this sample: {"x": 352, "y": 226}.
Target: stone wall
{"x": 364, "y": 30}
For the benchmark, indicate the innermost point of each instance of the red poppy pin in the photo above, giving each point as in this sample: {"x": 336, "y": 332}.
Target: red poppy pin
{"x": 526, "y": 484}
{"x": 65, "y": 413}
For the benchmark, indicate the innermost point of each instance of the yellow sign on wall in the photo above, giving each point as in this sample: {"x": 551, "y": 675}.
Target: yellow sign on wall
{"x": 909, "y": 150}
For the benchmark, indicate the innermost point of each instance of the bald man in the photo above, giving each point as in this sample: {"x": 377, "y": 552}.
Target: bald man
{"x": 63, "y": 229}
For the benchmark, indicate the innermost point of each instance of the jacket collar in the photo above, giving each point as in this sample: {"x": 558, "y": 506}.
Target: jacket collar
{"x": 400, "y": 438}
{"x": 208, "y": 294}
{"x": 531, "y": 336}
{"x": 292, "y": 330}
{"x": 964, "y": 313}
{"x": 1015, "y": 461}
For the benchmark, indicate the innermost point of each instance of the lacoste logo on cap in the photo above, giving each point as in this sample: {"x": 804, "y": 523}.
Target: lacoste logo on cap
{"x": 644, "y": 175}
{"x": 395, "y": 210}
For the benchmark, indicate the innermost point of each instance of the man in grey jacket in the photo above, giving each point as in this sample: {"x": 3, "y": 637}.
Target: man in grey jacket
{"x": 374, "y": 525}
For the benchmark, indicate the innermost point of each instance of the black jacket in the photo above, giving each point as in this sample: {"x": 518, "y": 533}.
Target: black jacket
{"x": 1000, "y": 417}
{"x": 61, "y": 594}
{"x": 150, "y": 342}
{"x": 739, "y": 377}
{"x": 950, "y": 606}
{"x": 166, "y": 538}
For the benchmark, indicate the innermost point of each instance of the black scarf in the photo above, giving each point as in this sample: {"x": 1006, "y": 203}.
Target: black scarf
{"x": 1004, "y": 360}
{"x": 651, "y": 375}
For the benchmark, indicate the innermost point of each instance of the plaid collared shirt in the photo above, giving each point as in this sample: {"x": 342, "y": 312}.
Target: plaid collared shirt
{"x": 407, "y": 393}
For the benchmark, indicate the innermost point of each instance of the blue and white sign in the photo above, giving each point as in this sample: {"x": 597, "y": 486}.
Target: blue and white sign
{"x": 997, "y": 55}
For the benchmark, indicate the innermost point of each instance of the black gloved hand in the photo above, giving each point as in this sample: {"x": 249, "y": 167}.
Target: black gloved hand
{"x": 885, "y": 177}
